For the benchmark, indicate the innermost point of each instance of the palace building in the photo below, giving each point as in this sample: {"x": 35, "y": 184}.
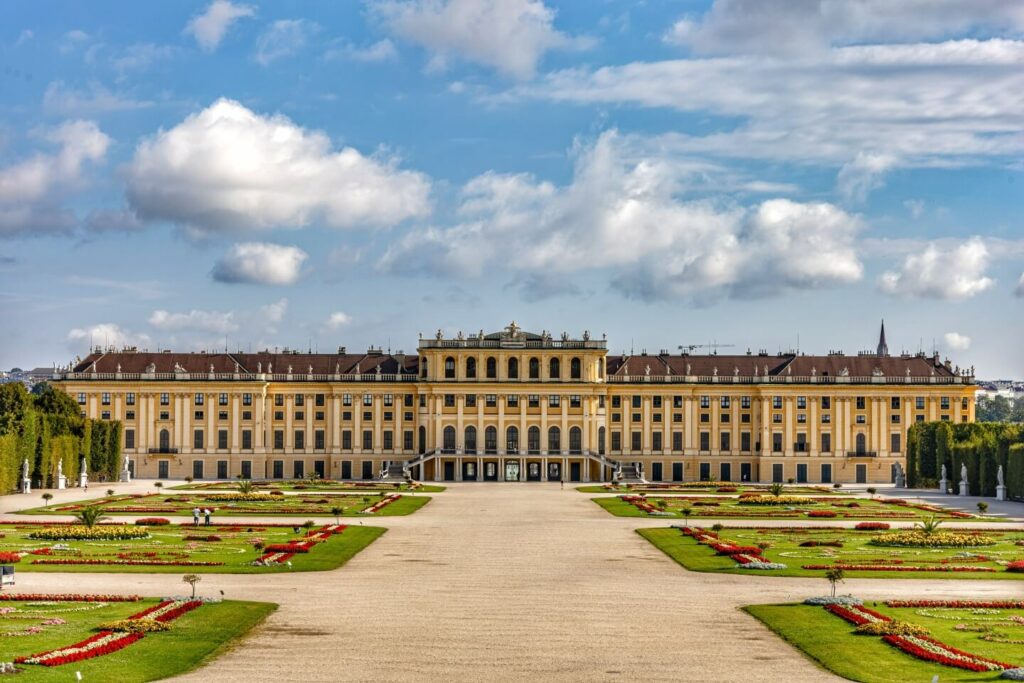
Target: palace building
{"x": 516, "y": 406}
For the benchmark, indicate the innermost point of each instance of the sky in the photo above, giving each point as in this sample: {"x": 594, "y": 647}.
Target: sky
{"x": 762, "y": 174}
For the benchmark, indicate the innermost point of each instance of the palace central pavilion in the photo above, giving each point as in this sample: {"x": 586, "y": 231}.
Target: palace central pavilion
{"x": 516, "y": 406}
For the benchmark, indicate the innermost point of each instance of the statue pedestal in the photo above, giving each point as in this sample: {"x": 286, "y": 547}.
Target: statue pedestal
{"x": 944, "y": 486}
{"x": 963, "y": 487}
{"x": 126, "y": 476}
{"x": 83, "y": 480}
{"x": 1000, "y": 493}
{"x": 62, "y": 482}
{"x": 26, "y": 485}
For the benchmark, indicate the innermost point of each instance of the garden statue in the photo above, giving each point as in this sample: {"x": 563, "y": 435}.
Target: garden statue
{"x": 901, "y": 481}
{"x": 944, "y": 482}
{"x": 126, "y": 474}
{"x": 26, "y": 482}
{"x": 83, "y": 474}
{"x": 963, "y": 479}
{"x": 62, "y": 481}
{"x": 1000, "y": 484}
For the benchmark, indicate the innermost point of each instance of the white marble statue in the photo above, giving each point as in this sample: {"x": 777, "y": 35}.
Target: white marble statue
{"x": 999, "y": 476}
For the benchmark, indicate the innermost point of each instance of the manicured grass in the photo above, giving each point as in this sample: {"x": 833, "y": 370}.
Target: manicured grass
{"x": 182, "y": 504}
{"x": 234, "y": 551}
{"x": 785, "y": 548}
{"x": 829, "y": 641}
{"x": 824, "y": 490}
{"x": 728, "y": 507}
{"x": 309, "y": 485}
{"x": 194, "y": 638}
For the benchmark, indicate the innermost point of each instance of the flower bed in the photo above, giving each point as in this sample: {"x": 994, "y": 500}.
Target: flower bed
{"x": 958, "y": 604}
{"x": 233, "y": 497}
{"x": 872, "y": 526}
{"x": 383, "y": 502}
{"x": 126, "y": 563}
{"x": 84, "y": 533}
{"x": 898, "y": 568}
{"x": 940, "y": 539}
{"x": 821, "y": 513}
{"x": 759, "y": 499}
{"x": 152, "y": 521}
{"x": 9, "y": 558}
{"x": 1016, "y": 566}
{"x": 67, "y": 597}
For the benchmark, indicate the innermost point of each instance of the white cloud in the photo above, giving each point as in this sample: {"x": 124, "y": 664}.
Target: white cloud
{"x": 284, "y": 38}
{"x": 261, "y": 263}
{"x": 802, "y": 26}
{"x": 623, "y": 210}
{"x": 60, "y": 99}
{"x": 941, "y": 272}
{"x": 104, "y": 334}
{"x": 31, "y": 190}
{"x": 945, "y": 103}
{"x": 338, "y": 319}
{"x": 275, "y": 312}
{"x": 210, "y": 27}
{"x": 194, "y": 321}
{"x": 915, "y": 207}
{"x": 956, "y": 341}
{"x": 862, "y": 175}
{"x": 510, "y": 36}
{"x": 140, "y": 56}
{"x": 228, "y": 168}
{"x": 381, "y": 51}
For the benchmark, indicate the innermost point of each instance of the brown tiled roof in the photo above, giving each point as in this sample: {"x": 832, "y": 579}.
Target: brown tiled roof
{"x": 864, "y": 366}
{"x": 322, "y": 363}
{"x": 800, "y": 366}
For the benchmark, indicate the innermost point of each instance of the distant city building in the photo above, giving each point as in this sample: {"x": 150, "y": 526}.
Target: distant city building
{"x": 514, "y": 405}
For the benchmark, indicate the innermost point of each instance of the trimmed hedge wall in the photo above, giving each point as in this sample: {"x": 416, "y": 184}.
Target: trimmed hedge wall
{"x": 47, "y": 428}
{"x": 981, "y": 446}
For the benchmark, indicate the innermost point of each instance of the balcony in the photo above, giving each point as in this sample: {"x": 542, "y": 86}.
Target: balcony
{"x": 162, "y": 451}
{"x": 862, "y": 454}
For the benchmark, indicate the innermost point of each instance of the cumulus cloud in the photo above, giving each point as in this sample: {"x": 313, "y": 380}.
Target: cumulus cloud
{"x": 227, "y": 168}
{"x": 381, "y": 51}
{"x": 195, "y": 320}
{"x": 32, "y": 190}
{"x": 941, "y": 272}
{"x": 956, "y": 341}
{"x": 800, "y": 26}
{"x": 104, "y": 334}
{"x": 919, "y": 105}
{"x": 283, "y": 38}
{"x": 260, "y": 263}
{"x": 210, "y": 27}
{"x": 510, "y": 36}
{"x": 625, "y": 211}
{"x": 338, "y": 319}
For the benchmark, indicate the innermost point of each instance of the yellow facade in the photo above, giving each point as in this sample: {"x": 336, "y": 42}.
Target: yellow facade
{"x": 513, "y": 405}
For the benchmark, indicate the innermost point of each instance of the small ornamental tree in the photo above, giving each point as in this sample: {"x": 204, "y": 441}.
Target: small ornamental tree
{"x": 834, "y": 576}
{"x": 872, "y": 491}
{"x": 110, "y": 492}
{"x": 686, "y": 509}
{"x": 47, "y": 497}
{"x": 982, "y": 507}
{"x": 776, "y": 489}
{"x": 159, "y": 485}
{"x": 90, "y": 516}
{"x": 192, "y": 580}
{"x": 246, "y": 486}
{"x": 928, "y": 526}
{"x": 337, "y": 511}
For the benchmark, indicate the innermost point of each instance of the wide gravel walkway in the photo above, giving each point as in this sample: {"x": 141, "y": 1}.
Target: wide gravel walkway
{"x": 510, "y": 582}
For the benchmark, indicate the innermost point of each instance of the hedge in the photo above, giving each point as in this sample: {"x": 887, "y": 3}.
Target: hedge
{"x": 981, "y": 446}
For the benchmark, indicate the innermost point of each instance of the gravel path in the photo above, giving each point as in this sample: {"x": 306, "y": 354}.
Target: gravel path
{"x": 504, "y": 582}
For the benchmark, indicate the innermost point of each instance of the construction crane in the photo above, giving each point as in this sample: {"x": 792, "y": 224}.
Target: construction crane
{"x": 714, "y": 346}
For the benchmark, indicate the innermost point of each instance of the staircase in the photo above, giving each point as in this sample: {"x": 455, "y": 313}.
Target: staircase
{"x": 628, "y": 473}
{"x": 395, "y": 471}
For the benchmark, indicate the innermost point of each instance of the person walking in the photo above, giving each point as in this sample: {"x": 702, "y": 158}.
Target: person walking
{"x": 195, "y": 516}
{"x": 561, "y": 484}
{"x": 206, "y": 512}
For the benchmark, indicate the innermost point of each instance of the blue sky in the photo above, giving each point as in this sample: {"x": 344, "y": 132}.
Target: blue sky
{"x": 192, "y": 175}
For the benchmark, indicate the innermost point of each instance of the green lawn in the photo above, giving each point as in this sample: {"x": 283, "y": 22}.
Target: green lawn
{"x": 309, "y": 485}
{"x": 182, "y": 504}
{"x": 829, "y": 641}
{"x": 785, "y": 548}
{"x": 194, "y": 638}
{"x": 234, "y": 551}
{"x": 728, "y": 507}
{"x": 708, "y": 487}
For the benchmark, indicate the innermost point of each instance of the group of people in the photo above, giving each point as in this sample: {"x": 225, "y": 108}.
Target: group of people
{"x": 196, "y": 512}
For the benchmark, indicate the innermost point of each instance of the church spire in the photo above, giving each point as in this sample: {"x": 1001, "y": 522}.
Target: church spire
{"x": 883, "y": 348}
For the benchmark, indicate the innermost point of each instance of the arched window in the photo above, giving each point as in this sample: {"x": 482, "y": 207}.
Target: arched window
{"x": 600, "y": 440}
{"x": 575, "y": 441}
{"x": 533, "y": 440}
{"x": 492, "y": 368}
{"x": 423, "y": 440}
{"x": 862, "y": 444}
{"x": 534, "y": 368}
{"x": 512, "y": 440}
{"x": 553, "y": 368}
{"x": 471, "y": 368}
{"x": 491, "y": 440}
{"x": 513, "y": 368}
{"x": 554, "y": 440}
{"x": 423, "y": 368}
{"x": 449, "y": 368}
{"x": 165, "y": 440}
{"x": 575, "y": 369}
{"x": 449, "y": 439}
{"x": 470, "y": 440}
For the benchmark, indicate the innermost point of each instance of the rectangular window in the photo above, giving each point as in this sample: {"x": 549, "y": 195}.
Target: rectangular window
{"x": 745, "y": 442}
{"x": 129, "y": 415}
{"x": 105, "y": 415}
{"x": 247, "y": 439}
{"x": 705, "y": 441}
{"x": 512, "y": 400}
{"x": 223, "y": 400}
{"x": 319, "y": 400}
{"x": 861, "y": 403}
{"x": 407, "y": 400}
{"x": 656, "y": 441}
{"x": 636, "y": 441}
{"x": 657, "y": 417}
{"x": 574, "y": 401}
{"x": 656, "y": 402}
{"x": 600, "y": 402}
{"x": 164, "y": 415}
{"x": 919, "y": 402}
{"x": 616, "y": 441}
{"x": 723, "y": 439}
{"x": 801, "y": 402}
{"x": 894, "y": 403}
{"x": 777, "y": 402}
{"x": 199, "y": 399}
{"x": 198, "y": 416}
{"x": 677, "y": 417}
{"x": 826, "y": 442}
{"x": 745, "y": 402}
{"x": 777, "y": 442}
{"x": 861, "y": 419}
{"x": 278, "y": 414}
{"x": 222, "y": 438}
{"x": 279, "y": 400}
{"x": 368, "y": 439}
{"x": 367, "y": 400}
{"x": 318, "y": 439}
{"x": 407, "y": 440}
{"x": 616, "y": 401}
{"x": 777, "y": 418}
{"x": 389, "y": 400}
{"x": 677, "y": 401}
{"x": 801, "y": 418}
{"x": 300, "y": 400}
{"x": 346, "y": 439}
{"x": 894, "y": 418}
{"x": 491, "y": 400}
{"x": 826, "y": 419}
{"x": 129, "y": 398}
{"x": 745, "y": 418}
{"x": 724, "y": 417}
{"x": 81, "y": 398}
{"x": 554, "y": 401}
{"x": 944, "y": 403}
{"x": 895, "y": 443}
{"x": 389, "y": 440}
{"x": 346, "y": 399}
{"x": 826, "y": 402}
{"x": 300, "y": 415}
{"x": 616, "y": 417}
{"x": 246, "y": 399}
{"x": 367, "y": 416}
{"x": 677, "y": 441}
{"x": 222, "y": 415}
{"x": 471, "y": 400}
{"x": 197, "y": 439}
{"x": 705, "y": 401}
{"x": 388, "y": 416}
{"x": 705, "y": 417}
{"x": 279, "y": 439}
{"x": 319, "y": 416}
{"x": 636, "y": 401}
{"x": 165, "y": 399}
{"x": 449, "y": 400}
{"x": 636, "y": 417}
{"x": 105, "y": 398}
{"x": 724, "y": 402}
{"x": 129, "y": 438}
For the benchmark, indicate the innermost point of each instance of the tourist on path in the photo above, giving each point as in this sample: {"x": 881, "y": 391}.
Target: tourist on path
{"x": 206, "y": 512}
{"x": 195, "y": 516}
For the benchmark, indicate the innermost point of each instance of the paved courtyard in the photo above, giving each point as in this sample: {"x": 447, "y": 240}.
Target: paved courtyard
{"x": 508, "y": 582}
